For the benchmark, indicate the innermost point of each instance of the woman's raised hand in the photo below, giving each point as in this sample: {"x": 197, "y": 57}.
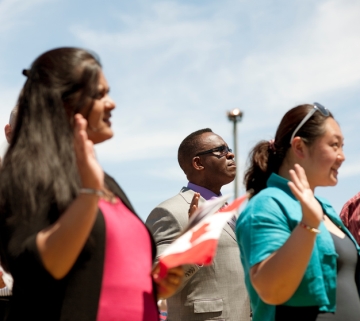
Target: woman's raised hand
{"x": 299, "y": 185}
{"x": 60, "y": 244}
{"x": 91, "y": 173}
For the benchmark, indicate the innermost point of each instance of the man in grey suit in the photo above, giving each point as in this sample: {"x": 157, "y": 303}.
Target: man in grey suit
{"x": 215, "y": 292}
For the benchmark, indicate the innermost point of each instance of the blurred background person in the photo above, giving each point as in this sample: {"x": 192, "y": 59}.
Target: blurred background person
{"x": 299, "y": 258}
{"x": 11, "y": 125}
{"x": 5, "y": 293}
{"x": 69, "y": 235}
{"x": 350, "y": 215}
{"x": 6, "y": 280}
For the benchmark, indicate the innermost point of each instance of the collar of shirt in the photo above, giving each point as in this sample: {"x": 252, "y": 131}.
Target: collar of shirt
{"x": 282, "y": 183}
{"x": 204, "y": 192}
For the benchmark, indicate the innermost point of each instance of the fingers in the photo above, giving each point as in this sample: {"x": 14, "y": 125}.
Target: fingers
{"x": 177, "y": 271}
{"x": 299, "y": 184}
{"x": 298, "y": 176}
{"x": 168, "y": 285}
{"x": 300, "y": 187}
{"x": 90, "y": 171}
{"x": 80, "y": 122}
{"x": 80, "y": 136}
{"x": 82, "y": 143}
{"x": 295, "y": 190}
{"x": 298, "y": 179}
{"x": 156, "y": 269}
{"x": 194, "y": 204}
{"x": 2, "y": 283}
{"x": 172, "y": 275}
{"x": 300, "y": 172}
{"x": 170, "y": 280}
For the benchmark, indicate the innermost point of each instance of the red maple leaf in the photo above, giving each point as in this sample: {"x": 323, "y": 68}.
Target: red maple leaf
{"x": 199, "y": 232}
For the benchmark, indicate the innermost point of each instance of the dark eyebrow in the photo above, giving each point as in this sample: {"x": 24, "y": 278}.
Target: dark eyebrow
{"x": 103, "y": 90}
{"x": 102, "y": 87}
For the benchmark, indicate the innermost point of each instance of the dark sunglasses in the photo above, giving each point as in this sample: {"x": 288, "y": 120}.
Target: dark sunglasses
{"x": 317, "y": 107}
{"x": 217, "y": 151}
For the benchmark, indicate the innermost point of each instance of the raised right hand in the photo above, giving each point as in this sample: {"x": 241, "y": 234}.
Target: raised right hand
{"x": 91, "y": 173}
{"x": 194, "y": 204}
{"x": 299, "y": 185}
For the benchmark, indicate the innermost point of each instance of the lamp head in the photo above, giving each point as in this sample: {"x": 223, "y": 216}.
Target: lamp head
{"x": 235, "y": 115}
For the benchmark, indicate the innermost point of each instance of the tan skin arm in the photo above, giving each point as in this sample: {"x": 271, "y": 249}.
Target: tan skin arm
{"x": 61, "y": 243}
{"x": 277, "y": 277}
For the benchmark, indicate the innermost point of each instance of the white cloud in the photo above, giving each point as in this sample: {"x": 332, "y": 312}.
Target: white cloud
{"x": 318, "y": 56}
{"x": 306, "y": 60}
{"x": 149, "y": 145}
{"x": 176, "y": 66}
{"x": 179, "y": 67}
{"x": 13, "y": 12}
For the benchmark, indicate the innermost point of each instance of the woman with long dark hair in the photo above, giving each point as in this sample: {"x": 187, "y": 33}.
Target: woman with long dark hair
{"x": 299, "y": 259}
{"x": 69, "y": 235}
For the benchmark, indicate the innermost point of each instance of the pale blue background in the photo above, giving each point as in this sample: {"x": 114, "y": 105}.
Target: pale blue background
{"x": 178, "y": 66}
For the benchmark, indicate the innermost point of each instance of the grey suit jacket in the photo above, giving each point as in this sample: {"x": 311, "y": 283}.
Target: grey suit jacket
{"x": 215, "y": 292}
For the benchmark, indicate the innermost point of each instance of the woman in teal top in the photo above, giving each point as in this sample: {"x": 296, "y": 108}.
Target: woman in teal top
{"x": 299, "y": 259}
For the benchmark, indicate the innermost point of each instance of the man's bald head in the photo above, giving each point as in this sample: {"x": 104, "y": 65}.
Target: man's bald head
{"x": 189, "y": 147}
{"x": 214, "y": 167}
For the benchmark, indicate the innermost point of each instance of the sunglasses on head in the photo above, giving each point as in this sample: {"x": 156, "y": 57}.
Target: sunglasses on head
{"x": 217, "y": 151}
{"x": 317, "y": 107}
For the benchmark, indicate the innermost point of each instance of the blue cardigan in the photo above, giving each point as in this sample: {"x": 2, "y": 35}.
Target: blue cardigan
{"x": 265, "y": 225}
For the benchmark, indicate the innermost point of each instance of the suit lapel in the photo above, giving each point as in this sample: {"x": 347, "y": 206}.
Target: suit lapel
{"x": 187, "y": 194}
{"x": 230, "y": 231}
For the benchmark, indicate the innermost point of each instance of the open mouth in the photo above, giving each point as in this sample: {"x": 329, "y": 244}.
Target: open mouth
{"x": 107, "y": 121}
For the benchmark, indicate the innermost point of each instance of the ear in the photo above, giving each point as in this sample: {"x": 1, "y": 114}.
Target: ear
{"x": 298, "y": 147}
{"x": 8, "y": 131}
{"x": 197, "y": 164}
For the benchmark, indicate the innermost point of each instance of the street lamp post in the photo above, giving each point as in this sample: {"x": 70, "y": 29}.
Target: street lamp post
{"x": 235, "y": 116}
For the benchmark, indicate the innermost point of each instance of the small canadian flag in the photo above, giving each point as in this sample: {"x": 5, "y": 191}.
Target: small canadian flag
{"x": 199, "y": 243}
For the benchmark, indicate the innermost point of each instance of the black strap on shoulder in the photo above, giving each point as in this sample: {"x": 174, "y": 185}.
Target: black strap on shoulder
{"x": 116, "y": 189}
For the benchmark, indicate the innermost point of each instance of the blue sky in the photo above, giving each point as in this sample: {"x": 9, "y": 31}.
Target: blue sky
{"x": 178, "y": 66}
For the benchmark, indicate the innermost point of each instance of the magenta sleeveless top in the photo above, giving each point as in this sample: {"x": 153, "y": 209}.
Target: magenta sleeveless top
{"x": 127, "y": 291}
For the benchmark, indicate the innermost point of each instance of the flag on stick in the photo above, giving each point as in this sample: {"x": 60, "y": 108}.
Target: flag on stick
{"x": 198, "y": 244}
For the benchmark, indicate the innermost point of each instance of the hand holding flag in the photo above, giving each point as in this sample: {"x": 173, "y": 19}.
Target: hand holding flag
{"x": 198, "y": 243}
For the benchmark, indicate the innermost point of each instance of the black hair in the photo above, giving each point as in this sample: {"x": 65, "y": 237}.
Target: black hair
{"x": 189, "y": 147}
{"x": 39, "y": 174}
{"x": 266, "y": 157}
